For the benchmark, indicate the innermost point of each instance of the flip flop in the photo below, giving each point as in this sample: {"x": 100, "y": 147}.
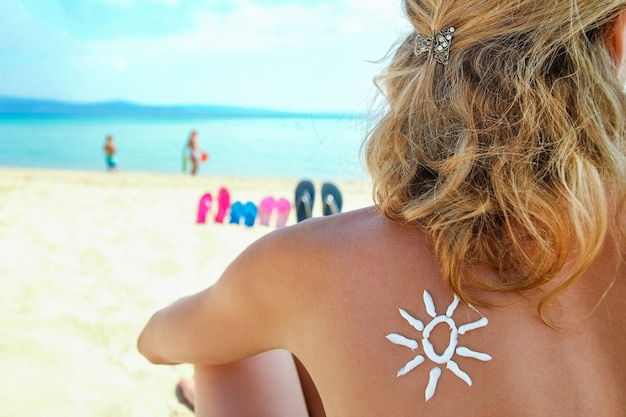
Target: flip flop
{"x": 305, "y": 197}
{"x": 223, "y": 200}
{"x": 204, "y": 207}
{"x": 236, "y": 211}
{"x": 283, "y": 207}
{"x": 249, "y": 213}
{"x": 332, "y": 201}
{"x": 181, "y": 398}
{"x": 265, "y": 210}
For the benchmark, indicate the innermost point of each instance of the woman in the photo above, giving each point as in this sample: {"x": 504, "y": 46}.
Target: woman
{"x": 489, "y": 278}
{"x": 194, "y": 153}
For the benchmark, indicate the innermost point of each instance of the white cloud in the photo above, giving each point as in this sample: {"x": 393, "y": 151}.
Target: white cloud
{"x": 248, "y": 26}
{"x": 132, "y": 3}
{"x": 169, "y": 3}
{"x": 122, "y": 64}
{"x": 118, "y": 4}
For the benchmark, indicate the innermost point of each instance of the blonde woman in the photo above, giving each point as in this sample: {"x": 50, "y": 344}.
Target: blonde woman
{"x": 488, "y": 280}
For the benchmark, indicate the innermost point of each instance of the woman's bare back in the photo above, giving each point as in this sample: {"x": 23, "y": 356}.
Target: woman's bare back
{"x": 372, "y": 268}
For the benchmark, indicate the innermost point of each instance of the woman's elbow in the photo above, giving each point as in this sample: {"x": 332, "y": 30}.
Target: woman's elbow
{"x": 144, "y": 348}
{"x": 148, "y": 348}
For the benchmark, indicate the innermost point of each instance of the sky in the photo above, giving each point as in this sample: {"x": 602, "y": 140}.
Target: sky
{"x": 306, "y": 55}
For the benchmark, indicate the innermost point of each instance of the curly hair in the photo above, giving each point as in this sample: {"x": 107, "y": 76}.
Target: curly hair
{"x": 513, "y": 154}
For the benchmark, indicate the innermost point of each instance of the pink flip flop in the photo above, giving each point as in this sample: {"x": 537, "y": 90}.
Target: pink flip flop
{"x": 204, "y": 207}
{"x": 265, "y": 210}
{"x": 283, "y": 207}
{"x": 223, "y": 200}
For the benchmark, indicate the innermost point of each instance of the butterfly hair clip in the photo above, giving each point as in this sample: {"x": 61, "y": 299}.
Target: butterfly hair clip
{"x": 440, "y": 45}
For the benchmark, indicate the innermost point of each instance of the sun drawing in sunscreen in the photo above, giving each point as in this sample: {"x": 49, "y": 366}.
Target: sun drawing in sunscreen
{"x": 429, "y": 350}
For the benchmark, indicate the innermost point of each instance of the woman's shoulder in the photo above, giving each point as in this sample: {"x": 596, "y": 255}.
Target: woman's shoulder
{"x": 364, "y": 225}
{"x": 337, "y": 253}
{"x": 364, "y": 234}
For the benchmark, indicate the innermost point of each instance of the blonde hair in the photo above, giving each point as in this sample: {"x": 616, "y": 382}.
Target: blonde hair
{"x": 513, "y": 154}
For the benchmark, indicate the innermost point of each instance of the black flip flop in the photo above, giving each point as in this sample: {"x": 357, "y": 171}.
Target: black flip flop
{"x": 305, "y": 196}
{"x": 332, "y": 201}
{"x": 181, "y": 398}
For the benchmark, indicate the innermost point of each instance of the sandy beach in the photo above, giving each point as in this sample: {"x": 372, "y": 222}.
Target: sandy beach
{"x": 86, "y": 258}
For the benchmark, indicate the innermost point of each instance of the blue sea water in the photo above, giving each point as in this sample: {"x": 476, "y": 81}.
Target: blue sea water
{"x": 308, "y": 147}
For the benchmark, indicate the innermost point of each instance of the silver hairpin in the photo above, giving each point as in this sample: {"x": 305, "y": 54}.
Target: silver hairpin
{"x": 441, "y": 46}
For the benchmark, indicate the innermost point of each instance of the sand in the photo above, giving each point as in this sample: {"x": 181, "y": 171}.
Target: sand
{"x": 85, "y": 259}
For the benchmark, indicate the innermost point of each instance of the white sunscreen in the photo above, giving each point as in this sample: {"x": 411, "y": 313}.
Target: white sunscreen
{"x": 429, "y": 350}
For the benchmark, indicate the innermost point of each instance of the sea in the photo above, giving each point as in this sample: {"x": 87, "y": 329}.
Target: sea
{"x": 314, "y": 147}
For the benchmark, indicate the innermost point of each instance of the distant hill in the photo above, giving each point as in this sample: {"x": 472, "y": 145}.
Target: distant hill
{"x": 22, "y": 107}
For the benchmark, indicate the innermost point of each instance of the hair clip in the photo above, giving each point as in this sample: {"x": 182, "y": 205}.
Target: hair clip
{"x": 441, "y": 46}
{"x": 422, "y": 44}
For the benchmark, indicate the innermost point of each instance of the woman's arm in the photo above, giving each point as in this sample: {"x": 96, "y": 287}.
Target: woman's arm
{"x": 242, "y": 314}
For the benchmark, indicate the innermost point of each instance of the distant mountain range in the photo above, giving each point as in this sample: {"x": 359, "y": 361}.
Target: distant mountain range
{"x": 23, "y": 107}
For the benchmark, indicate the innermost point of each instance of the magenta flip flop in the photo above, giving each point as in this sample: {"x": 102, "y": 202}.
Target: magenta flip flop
{"x": 283, "y": 208}
{"x": 265, "y": 210}
{"x": 204, "y": 207}
{"x": 223, "y": 201}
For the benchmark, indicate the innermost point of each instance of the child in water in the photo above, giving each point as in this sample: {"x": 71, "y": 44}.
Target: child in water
{"x": 110, "y": 151}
